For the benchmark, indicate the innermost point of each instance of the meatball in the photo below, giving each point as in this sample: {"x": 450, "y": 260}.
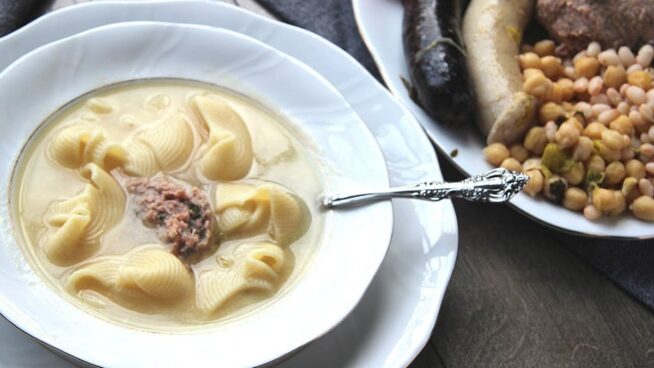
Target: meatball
{"x": 182, "y": 216}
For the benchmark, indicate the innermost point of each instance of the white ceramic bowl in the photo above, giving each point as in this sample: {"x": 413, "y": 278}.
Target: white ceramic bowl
{"x": 355, "y": 240}
{"x": 380, "y": 24}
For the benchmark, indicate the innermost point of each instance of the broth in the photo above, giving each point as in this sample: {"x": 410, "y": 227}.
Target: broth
{"x": 126, "y": 271}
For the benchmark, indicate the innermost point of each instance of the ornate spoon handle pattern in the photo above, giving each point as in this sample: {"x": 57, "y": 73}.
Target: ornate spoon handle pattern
{"x": 497, "y": 185}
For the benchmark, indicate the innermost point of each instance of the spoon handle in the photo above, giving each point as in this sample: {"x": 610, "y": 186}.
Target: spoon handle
{"x": 497, "y": 185}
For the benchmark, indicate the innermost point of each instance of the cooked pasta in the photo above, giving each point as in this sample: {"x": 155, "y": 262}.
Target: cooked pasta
{"x": 164, "y": 146}
{"x": 144, "y": 273}
{"x": 228, "y": 153}
{"x": 77, "y": 224}
{"x": 162, "y": 205}
{"x": 79, "y": 144}
{"x": 255, "y": 267}
{"x": 243, "y": 209}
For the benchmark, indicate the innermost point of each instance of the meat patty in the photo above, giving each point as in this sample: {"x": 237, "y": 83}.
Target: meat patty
{"x": 612, "y": 23}
{"x": 181, "y": 216}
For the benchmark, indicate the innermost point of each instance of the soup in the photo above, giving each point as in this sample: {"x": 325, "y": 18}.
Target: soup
{"x": 167, "y": 203}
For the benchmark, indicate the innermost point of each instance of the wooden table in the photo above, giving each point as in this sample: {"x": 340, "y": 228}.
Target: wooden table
{"x": 519, "y": 298}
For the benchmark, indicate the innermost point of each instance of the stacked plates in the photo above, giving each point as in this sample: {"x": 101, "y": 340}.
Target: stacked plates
{"x": 395, "y": 318}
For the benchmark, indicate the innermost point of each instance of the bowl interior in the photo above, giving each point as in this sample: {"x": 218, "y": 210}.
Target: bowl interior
{"x": 355, "y": 241}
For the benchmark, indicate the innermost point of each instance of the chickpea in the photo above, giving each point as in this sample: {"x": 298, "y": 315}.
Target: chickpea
{"x": 643, "y": 208}
{"x": 567, "y": 88}
{"x": 567, "y": 106}
{"x": 591, "y": 213}
{"x": 575, "y": 175}
{"x": 608, "y": 201}
{"x": 615, "y": 172}
{"x": 529, "y": 60}
{"x": 551, "y": 66}
{"x": 581, "y": 86}
{"x": 537, "y": 85}
{"x": 535, "y": 183}
{"x": 567, "y": 135}
{"x": 638, "y": 121}
{"x": 608, "y": 154}
{"x": 635, "y": 169}
{"x": 623, "y": 125}
{"x": 630, "y": 189}
{"x": 612, "y": 139}
{"x": 621, "y": 203}
{"x": 594, "y": 130}
{"x": 519, "y": 152}
{"x": 603, "y": 199}
{"x": 627, "y": 153}
{"x": 511, "y": 164}
{"x": 645, "y": 187}
{"x": 536, "y": 140}
{"x": 495, "y": 153}
{"x": 587, "y": 66}
{"x": 530, "y": 72}
{"x": 596, "y": 163}
{"x": 574, "y": 120}
{"x": 583, "y": 149}
{"x": 639, "y": 78}
{"x": 615, "y": 76}
{"x": 532, "y": 164}
{"x": 544, "y": 48}
{"x": 575, "y": 199}
{"x": 550, "y": 112}
{"x": 555, "y": 94}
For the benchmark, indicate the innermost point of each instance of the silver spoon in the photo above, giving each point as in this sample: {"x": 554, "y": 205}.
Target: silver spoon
{"x": 497, "y": 185}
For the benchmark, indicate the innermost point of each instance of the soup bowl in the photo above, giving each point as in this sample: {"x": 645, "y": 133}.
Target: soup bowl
{"x": 353, "y": 244}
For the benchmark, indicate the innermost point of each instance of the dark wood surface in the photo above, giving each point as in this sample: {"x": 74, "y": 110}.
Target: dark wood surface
{"x": 519, "y": 298}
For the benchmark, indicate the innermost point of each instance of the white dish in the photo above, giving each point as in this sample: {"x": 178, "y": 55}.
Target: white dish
{"x": 354, "y": 242}
{"x": 394, "y": 320}
{"x": 380, "y": 25}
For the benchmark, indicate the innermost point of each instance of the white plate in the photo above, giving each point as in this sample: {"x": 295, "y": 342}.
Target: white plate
{"x": 395, "y": 319}
{"x": 380, "y": 25}
{"x": 355, "y": 240}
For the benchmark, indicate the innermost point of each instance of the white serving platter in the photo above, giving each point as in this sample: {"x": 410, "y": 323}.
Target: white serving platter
{"x": 380, "y": 25}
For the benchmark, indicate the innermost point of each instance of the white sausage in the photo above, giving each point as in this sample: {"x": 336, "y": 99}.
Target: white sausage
{"x": 492, "y": 31}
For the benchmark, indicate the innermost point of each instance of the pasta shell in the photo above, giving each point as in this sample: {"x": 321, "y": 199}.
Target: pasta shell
{"x": 63, "y": 244}
{"x": 229, "y": 148}
{"x": 77, "y": 224}
{"x": 98, "y": 276}
{"x": 285, "y": 216}
{"x": 144, "y": 274}
{"x": 80, "y": 144}
{"x": 157, "y": 273}
{"x": 243, "y": 209}
{"x": 164, "y": 146}
{"x": 256, "y": 267}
